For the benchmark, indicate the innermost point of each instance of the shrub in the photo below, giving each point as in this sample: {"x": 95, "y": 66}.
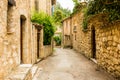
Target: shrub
{"x": 48, "y": 23}
{"x": 57, "y": 39}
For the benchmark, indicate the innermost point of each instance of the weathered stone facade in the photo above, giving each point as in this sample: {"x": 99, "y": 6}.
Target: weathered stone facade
{"x": 48, "y": 50}
{"x": 107, "y": 43}
{"x": 16, "y": 38}
{"x": 15, "y": 48}
{"x": 46, "y": 6}
{"x": 43, "y": 5}
{"x": 100, "y": 41}
{"x": 80, "y": 40}
{"x": 66, "y": 42}
{"x": 37, "y": 41}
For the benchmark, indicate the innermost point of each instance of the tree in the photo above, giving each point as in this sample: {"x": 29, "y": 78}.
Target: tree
{"x": 75, "y": 2}
{"x": 77, "y": 6}
{"x": 112, "y": 7}
{"x": 58, "y": 16}
{"x": 60, "y": 13}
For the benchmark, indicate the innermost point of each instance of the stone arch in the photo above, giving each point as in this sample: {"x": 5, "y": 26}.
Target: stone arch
{"x": 22, "y": 38}
{"x": 93, "y": 42}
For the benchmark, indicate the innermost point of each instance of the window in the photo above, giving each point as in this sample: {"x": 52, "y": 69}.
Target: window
{"x": 11, "y": 2}
{"x": 36, "y": 5}
{"x": 75, "y": 29}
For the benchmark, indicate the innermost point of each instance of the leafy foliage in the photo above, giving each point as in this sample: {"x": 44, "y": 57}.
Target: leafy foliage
{"x": 58, "y": 16}
{"x": 78, "y": 6}
{"x": 60, "y": 13}
{"x": 48, "y": 23}
{"x": 112, "y": 7}
{"x": 75, "y": 2}
{"x": 85, "y": 23}
{"x": 57, "y": 40}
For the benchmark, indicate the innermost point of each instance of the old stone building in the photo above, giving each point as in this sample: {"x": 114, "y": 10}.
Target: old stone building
{"x": 14, "y": 35}
{"x": 99, "y": 42}
{"x": 81, "y": 39}
{"x": 42, "y": 51}
{"x": 18, "y": 50}
{"x": 106, "y": 41}
{"x": 67, "y": 37}
{"x": 46, "y": 6}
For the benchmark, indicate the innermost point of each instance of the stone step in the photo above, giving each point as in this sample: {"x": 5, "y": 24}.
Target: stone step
{"x": 94, "y": 60}
{"x": 34, "y": 70}
{"x": 35, "y": 77}
{"x": 22, "y": 72}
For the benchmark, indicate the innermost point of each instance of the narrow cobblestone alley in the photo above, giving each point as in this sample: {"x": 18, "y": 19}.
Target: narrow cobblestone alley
{"x": 66, "y": 64}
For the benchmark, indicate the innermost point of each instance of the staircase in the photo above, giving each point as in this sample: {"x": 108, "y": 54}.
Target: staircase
{"x": 23, "y": 72}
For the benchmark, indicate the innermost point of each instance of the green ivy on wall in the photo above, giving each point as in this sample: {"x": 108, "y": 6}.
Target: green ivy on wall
{"x": 112, "y": 7}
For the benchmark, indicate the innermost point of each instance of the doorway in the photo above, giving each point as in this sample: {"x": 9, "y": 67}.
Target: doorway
{"x": 38, "y": 43}
{"x": 22, "y": 38}
{"x": 93, "y": 43}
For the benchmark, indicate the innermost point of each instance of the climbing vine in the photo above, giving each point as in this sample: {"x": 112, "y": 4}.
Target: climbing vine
{"x": 112, "y": 7}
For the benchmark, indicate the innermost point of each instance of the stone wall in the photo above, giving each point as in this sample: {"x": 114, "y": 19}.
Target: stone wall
{"x": 34, "y": 44}
{"x": 103, "y": 46}
{"x": 37, "y": 45}
{"x": 48, "y": 50}
{"x": 107, "y": 44}
{"x": 16, "y": 35}
{"x": 3, "y": 21}
{"x": 81, "y": 39}
{"x": 67, "y": 32}
{"x": 42, "y": 5}
{"x": 41, "y": 45}
{"x": 10, "y": 30}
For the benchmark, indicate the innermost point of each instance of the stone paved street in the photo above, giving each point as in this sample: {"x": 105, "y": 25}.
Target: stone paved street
{"x": 66, "y": 64}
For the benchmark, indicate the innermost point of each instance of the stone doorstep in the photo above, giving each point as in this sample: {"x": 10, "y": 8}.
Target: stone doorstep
{"x": 34, "y": 70}
{"x": 20, "y": 73}
{"x": 38, "y": 60}
{"x": 94, "y": 60}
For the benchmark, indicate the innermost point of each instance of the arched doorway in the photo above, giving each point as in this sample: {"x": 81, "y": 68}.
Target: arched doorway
{"x": 22, "y": 37}
{"x": 93, "y": 42}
